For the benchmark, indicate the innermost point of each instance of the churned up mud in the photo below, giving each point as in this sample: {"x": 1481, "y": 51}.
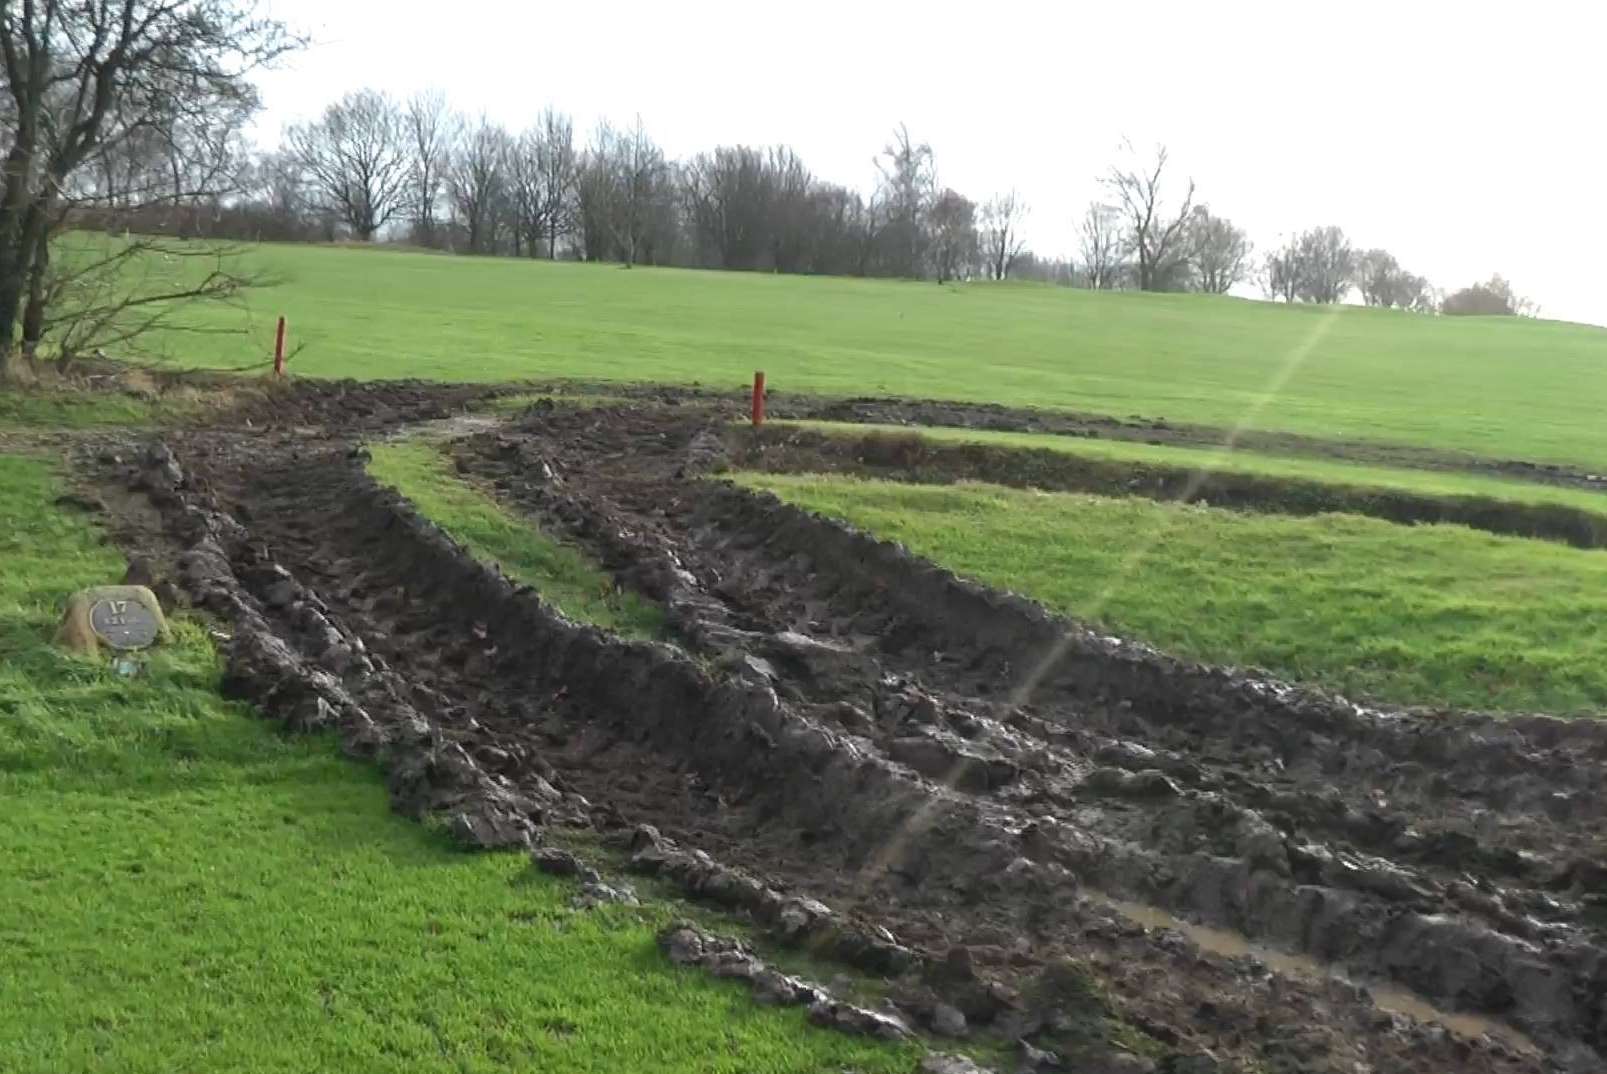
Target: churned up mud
{"x": 1036, "y": 833}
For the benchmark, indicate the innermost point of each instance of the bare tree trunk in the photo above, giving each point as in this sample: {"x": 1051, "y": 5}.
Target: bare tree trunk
{"x": 33, "y": 315}
{"x": 12, "y": 276}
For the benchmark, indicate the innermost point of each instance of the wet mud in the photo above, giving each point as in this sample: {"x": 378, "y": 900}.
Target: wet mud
{"x": 1159, "y": 431}
{"x": 965, "y": 780}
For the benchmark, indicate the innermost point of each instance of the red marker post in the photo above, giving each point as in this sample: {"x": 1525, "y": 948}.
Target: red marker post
{"x": 758, "y": 399}
{"x": 279, "y": 350}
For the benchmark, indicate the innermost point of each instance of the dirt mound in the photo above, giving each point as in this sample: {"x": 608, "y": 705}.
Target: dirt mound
{"x": 345, "y": 406}
{"x": 841, "y": 721}
{"x": 879, "y": 410}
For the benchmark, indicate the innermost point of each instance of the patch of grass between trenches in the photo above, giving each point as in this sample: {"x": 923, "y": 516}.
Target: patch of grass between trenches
{"x": 186, "y": 889}
{"x": 1221, "y": 460}
{"x": 563, "y": 575}
{"x": 1434, "y": 615}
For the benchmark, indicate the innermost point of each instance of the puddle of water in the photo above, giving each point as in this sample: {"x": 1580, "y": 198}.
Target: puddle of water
{"x": 1385, "y": 997}
{"x": 458, "y": 425}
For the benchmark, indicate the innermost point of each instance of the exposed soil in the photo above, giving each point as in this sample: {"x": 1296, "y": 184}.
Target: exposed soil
{"x": 1136, "y": 429}
{"x": 1160, "y": 431}
{"x": 911, "y": 458}
{"x": 948, "y": 763}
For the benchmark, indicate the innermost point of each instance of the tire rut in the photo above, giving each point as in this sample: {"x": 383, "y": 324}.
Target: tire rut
{"x": 838, "y": 719}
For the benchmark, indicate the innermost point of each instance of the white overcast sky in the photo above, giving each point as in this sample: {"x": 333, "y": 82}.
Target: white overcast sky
{"x": 1467, "y": 137}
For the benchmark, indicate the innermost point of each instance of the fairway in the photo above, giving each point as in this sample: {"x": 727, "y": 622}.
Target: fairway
{"x": 1434, "y": 615}
{"x": 1503, "y": 387}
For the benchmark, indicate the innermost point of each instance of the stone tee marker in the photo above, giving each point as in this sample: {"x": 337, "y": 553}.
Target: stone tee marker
{"x": 124, "y": 618}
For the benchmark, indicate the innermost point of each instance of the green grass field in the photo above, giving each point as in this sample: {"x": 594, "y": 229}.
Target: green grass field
{"x": 1419, "y": 615}
{"x": 564, "y": 576}
{"x": 1220, "y": 460}
{"x": 1500, "y": 387}
{"x": 186, "y": 889}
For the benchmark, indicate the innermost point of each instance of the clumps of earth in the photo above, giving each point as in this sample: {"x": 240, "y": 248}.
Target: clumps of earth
{"x": 828, "y": 747}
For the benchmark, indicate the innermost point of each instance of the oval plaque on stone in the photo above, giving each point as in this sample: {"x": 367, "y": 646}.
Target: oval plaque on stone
{"x": 124, "y": 624}
{"x": 123, "y": 618}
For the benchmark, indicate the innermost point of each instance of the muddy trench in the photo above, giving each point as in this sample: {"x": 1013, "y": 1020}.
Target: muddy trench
{"x": 910, "y": 458}
{"x": 927, "y": 757}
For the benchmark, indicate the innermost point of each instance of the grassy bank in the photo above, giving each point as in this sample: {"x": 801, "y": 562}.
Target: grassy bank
{"x": 563, "y": 575}
{"x": 1221, "y": 460}
{"x": 1494, "y": 386}
{"x": 56, "y": 410}
{"x": 1419, "y": 615}
{"x": 186, "y": 889}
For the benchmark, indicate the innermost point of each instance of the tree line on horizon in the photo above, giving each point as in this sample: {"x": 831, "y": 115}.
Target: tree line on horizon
{"x": 372, "y": 168}
{"x": 124, "y": 123}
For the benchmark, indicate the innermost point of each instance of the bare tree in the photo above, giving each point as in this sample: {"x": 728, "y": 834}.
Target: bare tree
{"x": 1325, "y": 264}
{"x": 1318, "y": 265}
{"x": 952, "y": 219}
{"x": 729, "y": 196}
{"x": 594, "y": 182}
{"x": 274, "y": 202}
{"x": 541, "y": 184}
{"x": 83, "y": 79}
{"x": 908, "y": 186}
{"x": 1104, "y": 249}
{"x": 526, "y": 195}
{"x": 1280, "y": 273}
{"x": 790, "y": 217}
{"x": 557, "y": 162}
{"x": 477, "y": 182}
{"x": 1001, "y": 233}
{"x": 1218, "y": 252}
{"x": 844, "y": 231}
{"x": 634, "y": 175}
{"x": 1383, "y": 282}
{"x": 357, "y": 161}
{"x": 431, "y": 130}
{"x": 1155, "y": 233}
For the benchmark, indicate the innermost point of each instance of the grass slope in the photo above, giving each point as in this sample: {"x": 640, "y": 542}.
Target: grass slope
{"x": 1414, "y": 615}
{"x": 30, "y": 409}
{"x": 1492, "y": 386}
{"x": 565, "y": 577}
{"x": 1219, "y": 460}
{"x": 185, "y": 889}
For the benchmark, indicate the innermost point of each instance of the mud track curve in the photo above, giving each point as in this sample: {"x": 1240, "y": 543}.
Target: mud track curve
{"x": 842, "y": 726}
{"x": 1392, "y": 844}
{"x": 882, "y": 410}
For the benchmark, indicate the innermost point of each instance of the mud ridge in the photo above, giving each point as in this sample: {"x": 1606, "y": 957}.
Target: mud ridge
{"x": 911, "y": 458}
{"x": 434, "y": 767}
{"x": 1304, "y": 896}
{"x": 1159, "y": 431}
{"x": 886, "y": 410}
